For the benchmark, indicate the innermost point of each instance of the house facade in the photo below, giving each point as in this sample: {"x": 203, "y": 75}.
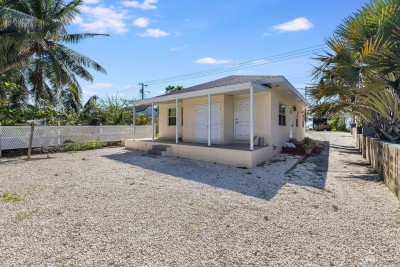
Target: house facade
{"x": 237, "y": 120}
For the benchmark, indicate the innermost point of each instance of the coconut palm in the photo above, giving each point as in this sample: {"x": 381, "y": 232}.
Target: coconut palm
{"x": 33, "y": 35}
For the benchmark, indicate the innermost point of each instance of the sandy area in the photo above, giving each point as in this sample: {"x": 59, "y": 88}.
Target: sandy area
{"x": 112, "y": 207}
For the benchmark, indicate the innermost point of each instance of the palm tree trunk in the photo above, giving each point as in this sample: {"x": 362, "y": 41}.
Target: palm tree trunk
{"x": 22, "y": 58}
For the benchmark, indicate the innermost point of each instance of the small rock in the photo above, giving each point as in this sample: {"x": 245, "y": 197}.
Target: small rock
{"x": 265, "y": 217}
{"x": 335, "y": 207}
{"x": 83, "y": 158}
{"x": 249, "y": 173}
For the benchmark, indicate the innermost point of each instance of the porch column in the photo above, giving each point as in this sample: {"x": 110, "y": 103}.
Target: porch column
{"x": 134, "y": 122}
{"x": 152, "y": 121}
{"x": 251, "y": 118}
{"x": 177, "y": 121}
{"x": 209, "y": 120}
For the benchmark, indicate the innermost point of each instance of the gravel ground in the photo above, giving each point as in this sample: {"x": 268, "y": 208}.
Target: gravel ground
{"x": 112, "y": 207}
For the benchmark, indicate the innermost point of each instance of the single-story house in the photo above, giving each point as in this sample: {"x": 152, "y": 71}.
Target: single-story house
{"x": 237, "y": 120}
{"x": 145, "y": 110}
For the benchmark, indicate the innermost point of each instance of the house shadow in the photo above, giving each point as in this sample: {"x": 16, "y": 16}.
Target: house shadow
{"x": 262, "y": 182}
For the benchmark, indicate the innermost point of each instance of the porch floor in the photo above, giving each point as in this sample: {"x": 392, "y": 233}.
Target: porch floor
{"x": 234, "y": 146}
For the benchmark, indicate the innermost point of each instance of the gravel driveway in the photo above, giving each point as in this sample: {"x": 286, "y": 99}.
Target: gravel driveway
{"x": 112, "y": 207}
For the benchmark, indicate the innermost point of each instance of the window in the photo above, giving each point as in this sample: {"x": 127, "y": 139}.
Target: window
{"x": 182, "y": 116}
{"x": 171, "y": 116}
{"x": 282, "y": 114}
{"x": 297, "y": 119}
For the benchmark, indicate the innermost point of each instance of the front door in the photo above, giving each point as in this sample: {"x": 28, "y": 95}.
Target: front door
{"x": 201, "y": 134}
{"x": 242, "y": 120}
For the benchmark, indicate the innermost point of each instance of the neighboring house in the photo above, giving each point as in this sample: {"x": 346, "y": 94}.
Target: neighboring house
{"x": 145, "y": 110}
{"x": 237, "y": 120}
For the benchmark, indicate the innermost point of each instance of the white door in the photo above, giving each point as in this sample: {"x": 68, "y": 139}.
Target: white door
{"x": 242, "y": 120}
{"x": 201, "y": 134}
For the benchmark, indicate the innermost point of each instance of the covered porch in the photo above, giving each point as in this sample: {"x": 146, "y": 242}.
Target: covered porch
{"x": 237, "y": 155}
{"x": 227, "y": 124}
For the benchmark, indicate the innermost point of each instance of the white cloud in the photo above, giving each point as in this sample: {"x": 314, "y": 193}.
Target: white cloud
{"x": 101, "y": 19}
{"x": 89, "y": 2}
{"x": 155, "y": 33}
{"x": 88, "y": 92}
{"x": 298, "y": 24}
{"x": 180, "y": 48}
{"x": 141, "y": 22}
{"x": 100, "y": 85}
{"x": 210, "y": 60}
{"x": 146, "y": 4}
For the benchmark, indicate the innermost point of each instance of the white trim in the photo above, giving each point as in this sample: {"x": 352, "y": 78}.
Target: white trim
{"x": 134, "y": 122}
{"x": 251, "y": 118}
{"x": 213, "y": 91}
{"x": 295, "y": 91}
{"x": 152, "y": 121}
{"x": 177, "y": 121}
{"x": 209, "y": 120}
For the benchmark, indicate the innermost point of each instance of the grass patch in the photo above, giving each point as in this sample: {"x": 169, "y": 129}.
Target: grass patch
{"x": 90, "y": 146}
{"x": 10, "y": 197}
{"x": 20, "y": 216}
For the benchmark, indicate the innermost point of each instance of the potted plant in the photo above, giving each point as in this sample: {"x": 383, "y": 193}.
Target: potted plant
{"x": 308, "y": 145}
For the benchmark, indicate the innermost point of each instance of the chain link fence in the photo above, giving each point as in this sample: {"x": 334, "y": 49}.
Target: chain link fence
{"x": 15, "y": 137}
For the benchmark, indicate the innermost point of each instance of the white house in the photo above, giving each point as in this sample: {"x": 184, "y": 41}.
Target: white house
{"x": 237, "y": 120}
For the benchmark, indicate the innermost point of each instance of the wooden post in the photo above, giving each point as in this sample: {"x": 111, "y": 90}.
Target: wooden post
{"x": 134, "y": 122}
{"x": 0, "y": 140}
{"x": 152, "y": 122}
{"x": 30, "y": 141}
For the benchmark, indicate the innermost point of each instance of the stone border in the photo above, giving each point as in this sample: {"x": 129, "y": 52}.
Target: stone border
{"x": 384, "y": 158}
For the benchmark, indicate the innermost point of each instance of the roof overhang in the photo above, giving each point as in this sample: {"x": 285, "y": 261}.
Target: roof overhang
{"x": 259, "y": 86}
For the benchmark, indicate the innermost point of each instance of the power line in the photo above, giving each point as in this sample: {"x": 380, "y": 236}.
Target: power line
{"x": 248, "y": 64}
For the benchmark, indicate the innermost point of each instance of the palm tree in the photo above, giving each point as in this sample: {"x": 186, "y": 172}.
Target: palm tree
{"x": 33, "y": 35}
{"x": 363, "y": 67}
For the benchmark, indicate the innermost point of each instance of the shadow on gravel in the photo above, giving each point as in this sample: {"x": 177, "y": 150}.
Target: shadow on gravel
{"x": 346, "y": 149}
{"x": 262, "y": 182}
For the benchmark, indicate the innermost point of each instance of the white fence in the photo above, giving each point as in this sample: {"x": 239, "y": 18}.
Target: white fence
{"x": 14, "y": 137}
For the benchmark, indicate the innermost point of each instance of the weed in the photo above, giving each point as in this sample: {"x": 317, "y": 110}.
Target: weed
{"x": 10, "y": 197}
{"x": 20, "y": 216}
{"x": 89, "y": 146}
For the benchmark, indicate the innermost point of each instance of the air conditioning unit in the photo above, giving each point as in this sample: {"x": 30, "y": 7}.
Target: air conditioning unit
{"x": 259, "y": 140}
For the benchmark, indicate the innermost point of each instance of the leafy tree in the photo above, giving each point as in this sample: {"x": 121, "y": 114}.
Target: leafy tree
{"x": 33, "y": 35}
{"x": 171, "y": 88}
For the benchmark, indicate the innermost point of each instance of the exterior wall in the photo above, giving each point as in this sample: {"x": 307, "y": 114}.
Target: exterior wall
{"x": 189, "y": 117}
{"x": 266, "y": 106}
{"x": 165, "y": 130}
{"x": 229, "y": 120}
{"x": 232, "y": 157}
{"x": 279, "y": 133}
{"x": 262, "y": 114}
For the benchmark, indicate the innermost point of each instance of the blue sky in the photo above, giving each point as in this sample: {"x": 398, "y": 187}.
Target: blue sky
{"x": 153, "y": 39}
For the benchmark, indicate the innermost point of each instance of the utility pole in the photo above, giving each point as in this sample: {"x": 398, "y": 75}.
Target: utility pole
{"x": 142, "y": 90}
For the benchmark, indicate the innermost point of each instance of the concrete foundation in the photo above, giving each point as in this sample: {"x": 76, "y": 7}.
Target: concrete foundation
{"x": 233, "y": 155}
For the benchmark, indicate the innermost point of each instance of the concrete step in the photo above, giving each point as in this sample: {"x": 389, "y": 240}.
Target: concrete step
{"x": 155, "y": 152}
{"x": 160, "y": 147}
